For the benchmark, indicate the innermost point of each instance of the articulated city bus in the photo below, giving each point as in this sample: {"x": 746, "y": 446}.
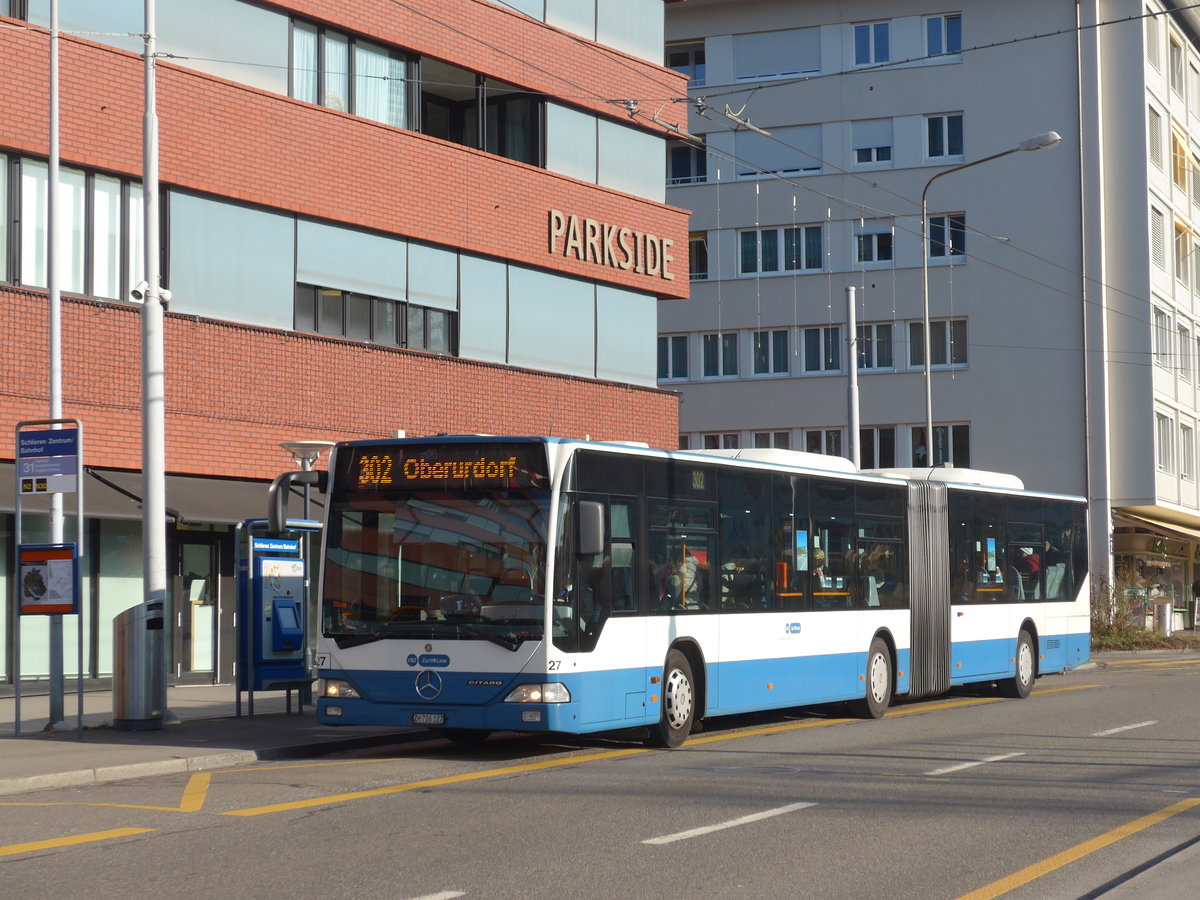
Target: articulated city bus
{"x": 477, "y": 583}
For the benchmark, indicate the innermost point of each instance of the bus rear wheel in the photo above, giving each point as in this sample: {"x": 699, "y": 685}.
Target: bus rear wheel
{"x": 1021, "y": 684}
{"x": 678, "y": 703}
{"x": 879, "y": 682}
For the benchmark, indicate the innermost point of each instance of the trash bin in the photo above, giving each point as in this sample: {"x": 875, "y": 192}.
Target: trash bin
{"x": 1164, "y": 619}
{"x": 139, "y": 678}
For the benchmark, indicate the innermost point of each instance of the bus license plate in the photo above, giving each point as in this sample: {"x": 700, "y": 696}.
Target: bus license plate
{"x": 429, "y": 719}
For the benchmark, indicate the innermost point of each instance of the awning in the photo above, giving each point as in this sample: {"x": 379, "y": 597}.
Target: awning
{"x": 116, "y": 494}
{"x": 1167, "y": 529}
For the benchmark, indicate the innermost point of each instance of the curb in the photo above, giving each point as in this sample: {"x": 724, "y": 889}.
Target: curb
{"x": 213, "y": 761}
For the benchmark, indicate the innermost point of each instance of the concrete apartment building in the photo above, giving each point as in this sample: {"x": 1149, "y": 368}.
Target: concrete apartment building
{"x": 1063, "y": 285}
{"x": 374, "y": 216}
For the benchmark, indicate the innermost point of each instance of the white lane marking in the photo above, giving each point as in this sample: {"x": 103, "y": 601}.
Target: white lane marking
{"x": 970, "y": 765}
{"x": 444, "y": 895}
{"x": 732, "y": 823}
{"x": 1124, "y": 728}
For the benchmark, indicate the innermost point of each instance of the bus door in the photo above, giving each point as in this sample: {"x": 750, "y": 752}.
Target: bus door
{"x": 597, "y": 612}
{"x": 984, "y": 586}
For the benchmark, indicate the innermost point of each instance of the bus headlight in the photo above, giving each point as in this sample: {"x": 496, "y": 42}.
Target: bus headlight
{"x": 551, "y": 692}
{"x": 336, "y": 689}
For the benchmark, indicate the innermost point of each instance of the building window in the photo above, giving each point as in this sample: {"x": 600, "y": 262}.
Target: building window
{"x": 722, "y": 441}
{"x": 943, "y": 35}
{"x": 875, "y": 346}
{"x": 685, "y": 442}
{"x": 1165, "y": 450}
{"x": 771, "y": 54}
{"x": 781, "y": 249}
{"x": 1183, "y": 249}
{"x": 1177, "y": 70}
{"x": 874, "y": 248}
{"x": 1158, "y": 238}
{"x": 687, "y": 58}
{"x": 1187, "y": 452}
{"x": 720, "y": 355}
{"x": 1195, "y": 167}
{"x": 672, "y": 356}
{"x": 877, "y": 448}
{"x": 871, "y": 43}
{"x": 944, "y": 136}
{"x": 947, "y": 337}
{"x": 771, "y": 352}
{"x": 827, "y": 441}
{"x": 780, "y": 440}
{"x": 951, "y": 444}
{"x": 378, "y": 320}
{"x": 947, "y": 236}
{"x": 1185, "y": 353}
{"x": 823, "y": 349}
{"x": 1162, "y": 337}
{"x": 466, "y": 108}
{"x": 1179, "y": 162}
{"x": 1154, "y": 134}
{"x": 333, "y": 69}
{"x": 698, "y": 255}
{"x": 686, "y": 163}
{"x": 865, "y": 155}
{"x": 1195, "y": 265}
{"x": 99, "y": 225}
{"x": 1152, "y": 41}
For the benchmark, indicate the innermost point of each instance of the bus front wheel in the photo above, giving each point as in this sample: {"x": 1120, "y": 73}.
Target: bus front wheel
{"x": 678, "y": 703}
{"x": 1021, "y": 684}
{"x": 879, "y": 682}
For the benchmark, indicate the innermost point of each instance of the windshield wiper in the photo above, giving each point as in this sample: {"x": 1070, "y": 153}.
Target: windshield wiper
{"x": 507, "y": 641}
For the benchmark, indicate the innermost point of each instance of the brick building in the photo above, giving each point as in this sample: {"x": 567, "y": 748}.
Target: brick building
{"x": 436, "y": 216}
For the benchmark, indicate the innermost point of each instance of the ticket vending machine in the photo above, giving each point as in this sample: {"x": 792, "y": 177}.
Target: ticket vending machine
{"x": 272, "y": 611}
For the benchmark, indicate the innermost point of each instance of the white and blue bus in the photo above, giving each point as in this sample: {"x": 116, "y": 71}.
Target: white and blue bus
{"x": 477, "y": 583}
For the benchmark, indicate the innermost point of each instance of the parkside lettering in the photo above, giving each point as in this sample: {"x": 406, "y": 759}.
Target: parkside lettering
{"x": 610, "y": 245}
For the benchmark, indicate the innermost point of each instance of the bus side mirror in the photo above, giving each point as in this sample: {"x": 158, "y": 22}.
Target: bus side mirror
{"x": 589, "y": 519}
{"x": 277, "y": 496}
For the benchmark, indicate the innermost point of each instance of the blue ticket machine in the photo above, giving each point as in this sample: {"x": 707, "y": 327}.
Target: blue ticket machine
{"x": 271, "y": 613}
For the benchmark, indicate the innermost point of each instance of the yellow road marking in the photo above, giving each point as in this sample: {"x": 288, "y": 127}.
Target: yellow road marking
{"x": 432, "y": 782}
{"x": 1073, "y": 687}
{"x": 92, "y": 837}
{"x": 192, "y": 801}
{"x": 195, "y": 792}
{"x": 1046, "y": 866}
{"x": 1151, "y": 662}
{"x": 569, "y": 761}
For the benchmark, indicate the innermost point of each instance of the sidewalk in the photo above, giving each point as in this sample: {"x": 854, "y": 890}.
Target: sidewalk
{"x": 209, "y": 735}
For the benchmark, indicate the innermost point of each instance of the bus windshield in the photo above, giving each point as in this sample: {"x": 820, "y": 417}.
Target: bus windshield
{"x": 462, "y": 565}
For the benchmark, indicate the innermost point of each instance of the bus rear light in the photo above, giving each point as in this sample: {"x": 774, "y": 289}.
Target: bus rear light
{"x": 550, "y": 692}
{"x": 337, "y": 689}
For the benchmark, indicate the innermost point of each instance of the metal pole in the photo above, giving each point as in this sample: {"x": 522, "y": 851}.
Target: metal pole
{"x": 1037, "y": 142}
{"x": 154, "y": 512}
{"x": 927, "y": 350}
{"x": 55, "y": 291}
{"x": 852, "y": 439}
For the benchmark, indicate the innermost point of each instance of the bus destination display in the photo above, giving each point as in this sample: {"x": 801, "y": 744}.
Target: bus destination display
{"x": 390, "y": 468}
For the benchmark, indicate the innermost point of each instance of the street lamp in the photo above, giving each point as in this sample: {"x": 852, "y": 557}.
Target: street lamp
{"x": 1038, "y": 142}
{"x": 306, "y": 453}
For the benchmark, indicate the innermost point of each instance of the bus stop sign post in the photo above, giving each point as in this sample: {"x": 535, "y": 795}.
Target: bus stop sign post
{"x": 49, "y": 461}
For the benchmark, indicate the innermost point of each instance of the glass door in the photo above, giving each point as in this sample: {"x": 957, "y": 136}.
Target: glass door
{"x": 198, "y": 601}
